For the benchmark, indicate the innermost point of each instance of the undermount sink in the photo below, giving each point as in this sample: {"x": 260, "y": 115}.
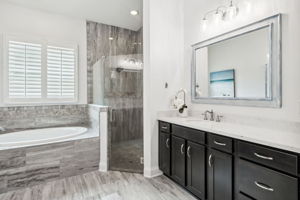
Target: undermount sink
{"x": 194, "y": 120}
{"x": 198, "y": 121}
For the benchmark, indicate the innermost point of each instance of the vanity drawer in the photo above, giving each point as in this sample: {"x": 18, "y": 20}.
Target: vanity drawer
{"x": 220, "y": 142}
{"x": 263, "y": 183}
{"x": 165, "y": 127}
{"x": 189, "y": 134}
{"x": 276, "y": 159}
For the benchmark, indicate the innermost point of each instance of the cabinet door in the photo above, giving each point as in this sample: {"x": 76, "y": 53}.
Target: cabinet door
{"x": 178, "y": 160}
{"x": 164, "y": 153}
{"x": 219, "y": 175}
{"x": 196, "y": 169}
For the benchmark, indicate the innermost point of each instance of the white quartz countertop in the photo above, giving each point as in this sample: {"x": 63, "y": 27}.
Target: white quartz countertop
{"x": 289, "y": 141}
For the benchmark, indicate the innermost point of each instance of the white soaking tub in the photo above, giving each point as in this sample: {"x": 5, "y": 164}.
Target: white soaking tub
{"x": 39, "y": 136}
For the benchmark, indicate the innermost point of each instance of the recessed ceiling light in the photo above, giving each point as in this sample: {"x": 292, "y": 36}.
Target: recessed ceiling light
{"x": 111, "y": 38}
{"x": 134, "y": 12}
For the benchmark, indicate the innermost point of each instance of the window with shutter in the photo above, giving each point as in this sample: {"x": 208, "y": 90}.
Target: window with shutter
{"x": 38, "y": 72}
{"x": 60, "y": 72}
{"x": 24, "y": 70}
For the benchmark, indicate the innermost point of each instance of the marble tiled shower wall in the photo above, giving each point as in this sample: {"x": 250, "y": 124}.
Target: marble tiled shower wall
{"x": 32, "y": 117}
{"x": 121, "y": 91}
{"x": 127, "y": 125}
{"x": 126, "y": 43}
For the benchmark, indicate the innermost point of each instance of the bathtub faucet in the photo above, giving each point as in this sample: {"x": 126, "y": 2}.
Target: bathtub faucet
{"x": 2, "y": 129}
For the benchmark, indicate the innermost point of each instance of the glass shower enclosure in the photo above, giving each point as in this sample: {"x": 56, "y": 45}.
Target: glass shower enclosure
{"x": 117, "y": 81}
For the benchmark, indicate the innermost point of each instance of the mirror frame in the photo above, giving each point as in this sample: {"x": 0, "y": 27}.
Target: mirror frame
{"x": 275, "y": 87}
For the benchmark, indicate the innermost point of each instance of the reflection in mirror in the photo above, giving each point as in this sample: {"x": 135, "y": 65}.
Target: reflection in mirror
{"x": 235, "y": 68}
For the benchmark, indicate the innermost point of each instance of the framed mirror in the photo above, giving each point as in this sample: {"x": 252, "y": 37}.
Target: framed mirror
{"x": 241, "y": 67}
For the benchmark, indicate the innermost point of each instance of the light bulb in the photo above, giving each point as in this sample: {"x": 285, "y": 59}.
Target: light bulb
{"x": 134, "y": 12}
{"x": 204, "y": 24}
{"x": 218, "y": 16}
{"x": 232, "y": 12}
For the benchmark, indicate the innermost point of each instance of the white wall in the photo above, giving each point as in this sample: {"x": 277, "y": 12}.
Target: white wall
{"x": 168, "y": 31}
{"x": 31, "y": 23}
{"x": 163, "y": 61}
{"x": 251, "y": 11}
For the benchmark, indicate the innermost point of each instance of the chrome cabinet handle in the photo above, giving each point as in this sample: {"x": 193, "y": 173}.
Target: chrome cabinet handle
{"x": 167, "y": 143}
{"x": 263, "y": 157}
{"x": 219, "y": 143}
{"x": 164, "y": 127}
{"x": 188, "y": 152}
{"x": 209, "y": 160}
{"x": 181, "y": 149}
{"x": 264, "y": 187}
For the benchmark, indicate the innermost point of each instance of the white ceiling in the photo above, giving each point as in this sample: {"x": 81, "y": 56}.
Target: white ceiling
{"x": 112, "y": 12}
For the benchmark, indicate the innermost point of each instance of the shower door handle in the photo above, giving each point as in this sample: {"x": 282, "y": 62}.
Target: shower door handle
{"x": 112, "y": 118}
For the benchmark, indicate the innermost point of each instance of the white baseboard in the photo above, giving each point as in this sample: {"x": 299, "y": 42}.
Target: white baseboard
{"x": 103, "y": 167}
{"x": 151, "y": 173}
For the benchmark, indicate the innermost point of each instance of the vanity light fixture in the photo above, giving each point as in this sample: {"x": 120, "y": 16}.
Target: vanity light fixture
{"x": 232, "y": 11}
{"x": 221, "y": 13}
{"x": 134, "y": 12}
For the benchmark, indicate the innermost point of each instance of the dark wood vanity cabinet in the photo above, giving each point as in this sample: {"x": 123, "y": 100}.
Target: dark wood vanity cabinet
{"x": 219, "y": 176}
{"x": 196, "y": 169}
{"x": 266, "y": 173}
{"x": 188, "y": 165}
{"x": 183, "y": 158}
{"x": 263, "y": 183}
{"x": 178, "y": 160}
{"x": 165, "y": 152}
{"x": 214, "y": 167}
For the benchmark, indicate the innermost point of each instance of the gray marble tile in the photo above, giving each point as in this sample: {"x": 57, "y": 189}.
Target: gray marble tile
{"x": 126, "y": 156}
{"x": 33, "y": 117}
{"x": 12, "y": 159}
{"x": 44, "y": 163}
{"x": 126, "y": 42}
{"x": 51, "y": 152}
{"x": 36, "y": 174}
{"x": 16, "y": 178}
{"x": 3, "y": 183}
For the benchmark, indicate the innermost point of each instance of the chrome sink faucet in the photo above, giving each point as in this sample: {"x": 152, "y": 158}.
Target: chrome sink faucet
{"x": 212, "y": 115}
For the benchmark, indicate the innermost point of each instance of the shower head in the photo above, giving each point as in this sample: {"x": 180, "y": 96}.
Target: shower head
{"x": 119, "y": 69}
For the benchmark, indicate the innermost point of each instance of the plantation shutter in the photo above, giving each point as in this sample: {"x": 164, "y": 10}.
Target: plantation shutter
{"x": 24, "y": 70}
{"x": 60, "y": 72}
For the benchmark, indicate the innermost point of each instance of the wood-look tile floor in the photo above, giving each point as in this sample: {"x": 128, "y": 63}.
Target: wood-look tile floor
{"x": 103, "y": 186}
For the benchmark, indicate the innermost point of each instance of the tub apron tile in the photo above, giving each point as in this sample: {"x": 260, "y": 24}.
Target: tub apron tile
{"x": 12, "y": 159}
